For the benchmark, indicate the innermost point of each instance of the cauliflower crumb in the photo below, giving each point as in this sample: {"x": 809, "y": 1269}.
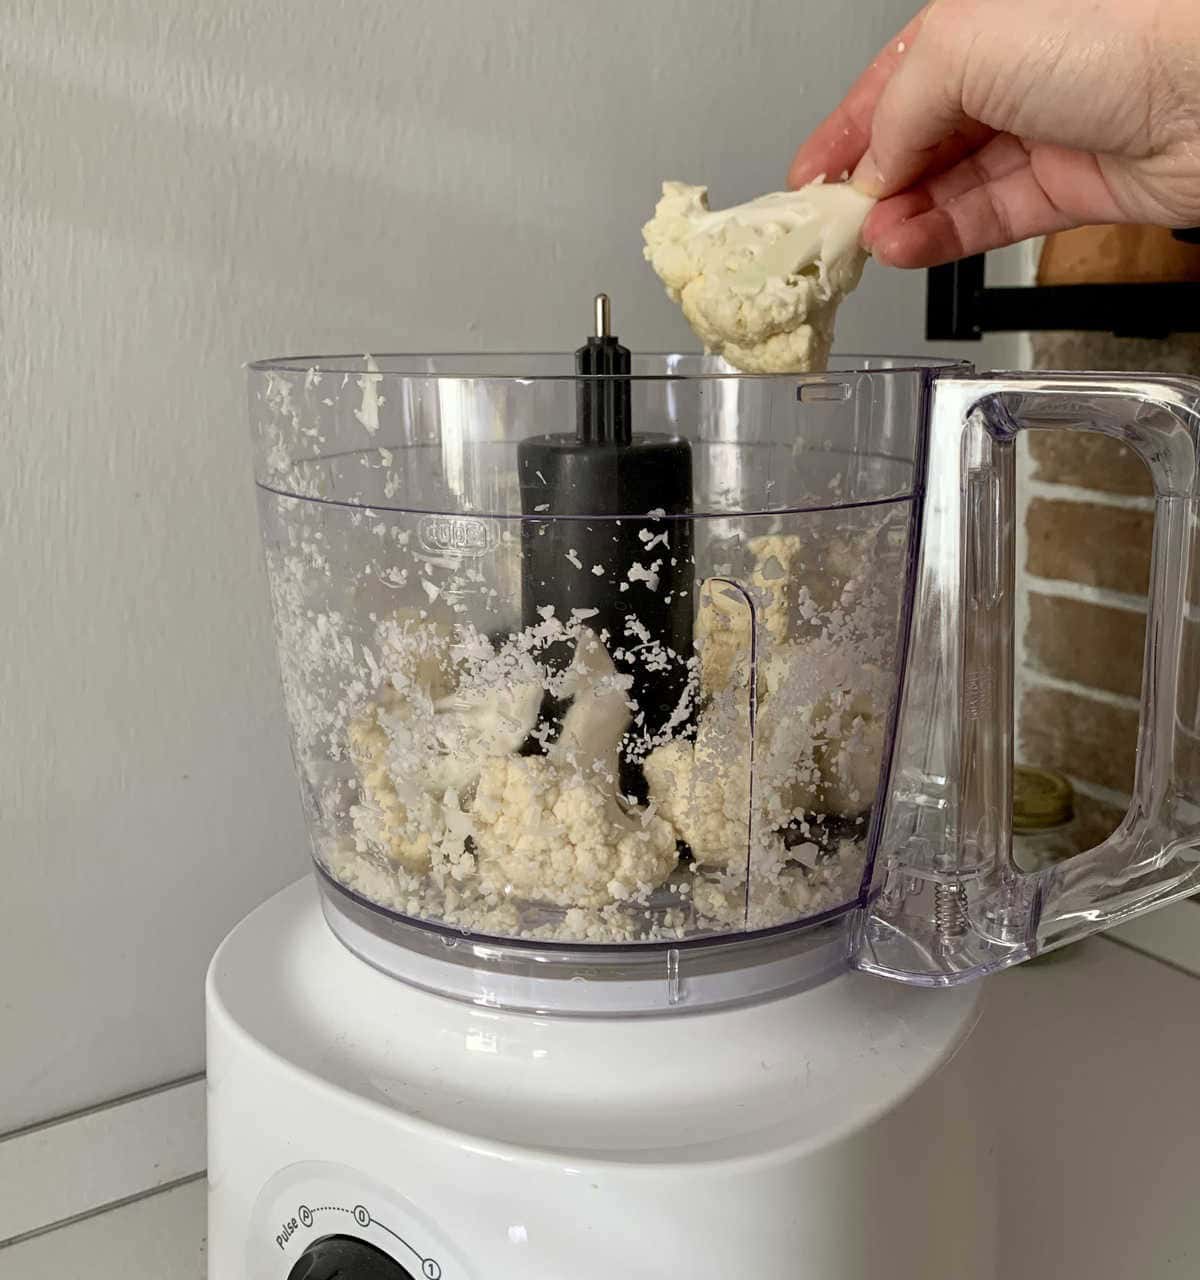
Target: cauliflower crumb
{"x": 368, "y": 413}
{"x": 645, "y": 573}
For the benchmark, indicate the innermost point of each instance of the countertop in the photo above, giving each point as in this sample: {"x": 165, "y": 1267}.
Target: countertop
{"x": 1090, "y": 1056}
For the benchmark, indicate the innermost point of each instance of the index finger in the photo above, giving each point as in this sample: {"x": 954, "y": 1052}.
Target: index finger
{"x": 840, "y": 141}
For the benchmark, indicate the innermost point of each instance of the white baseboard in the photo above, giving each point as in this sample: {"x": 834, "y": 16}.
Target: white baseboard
{"x": 156, "y": 1237}
{"x": 69, "y": 1168}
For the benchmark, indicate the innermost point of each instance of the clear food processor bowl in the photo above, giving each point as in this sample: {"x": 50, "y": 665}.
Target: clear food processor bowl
{"x": 681, "y": 720}
{"x": 559, "y": 735}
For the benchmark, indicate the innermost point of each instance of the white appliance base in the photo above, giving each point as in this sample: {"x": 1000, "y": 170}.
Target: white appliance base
{"x": 828, "y": 1134}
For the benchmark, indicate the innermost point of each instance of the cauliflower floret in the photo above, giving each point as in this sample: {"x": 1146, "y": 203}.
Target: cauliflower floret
{"x": 544, "y": 833}
{"x": 760, "y": 282}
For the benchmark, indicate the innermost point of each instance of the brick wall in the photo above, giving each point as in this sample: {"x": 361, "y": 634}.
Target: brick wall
{"x": 1085, "y": 554}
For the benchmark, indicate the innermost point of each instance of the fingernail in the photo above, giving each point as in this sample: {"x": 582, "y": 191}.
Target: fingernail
{"x": 880, "y": 254}
{"x": 867, "y": 178}
{"x": 877, "y": 246}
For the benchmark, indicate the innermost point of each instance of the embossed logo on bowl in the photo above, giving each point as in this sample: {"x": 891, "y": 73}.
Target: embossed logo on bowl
{"x": 455, "y": 535}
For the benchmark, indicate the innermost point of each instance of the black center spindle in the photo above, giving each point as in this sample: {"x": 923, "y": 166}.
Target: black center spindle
{"x": 602, "y": 508}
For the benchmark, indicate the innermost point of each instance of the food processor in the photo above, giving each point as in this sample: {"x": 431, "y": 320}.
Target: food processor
{"x": 653, "y": 724}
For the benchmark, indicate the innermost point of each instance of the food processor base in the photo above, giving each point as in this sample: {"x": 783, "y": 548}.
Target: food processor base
{"x": 362, "y": 1128}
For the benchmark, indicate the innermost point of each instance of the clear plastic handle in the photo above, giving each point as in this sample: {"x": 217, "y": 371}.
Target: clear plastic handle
{"x": 946, "y": 901}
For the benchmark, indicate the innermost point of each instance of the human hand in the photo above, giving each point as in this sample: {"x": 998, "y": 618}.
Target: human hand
{"x": 986, "y": 122}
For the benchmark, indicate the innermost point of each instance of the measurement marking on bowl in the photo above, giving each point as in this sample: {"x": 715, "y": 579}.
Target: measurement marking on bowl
{"x": 457, "y": 535}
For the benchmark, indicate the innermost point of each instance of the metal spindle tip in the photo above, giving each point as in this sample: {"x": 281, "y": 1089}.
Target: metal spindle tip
{"x": 603, "y": 316}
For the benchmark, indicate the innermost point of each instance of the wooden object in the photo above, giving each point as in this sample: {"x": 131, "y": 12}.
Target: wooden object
{"x": 1117, "y": 255}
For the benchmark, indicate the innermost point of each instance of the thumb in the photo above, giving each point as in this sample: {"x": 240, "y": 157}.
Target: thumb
{"x": 919, "y": 111}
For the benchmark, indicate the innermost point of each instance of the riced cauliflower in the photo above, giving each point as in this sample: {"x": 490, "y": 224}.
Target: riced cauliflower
{"x": 544, "y": 834}
{"x": 797, "y": 580}
{"x": 551, "y": 828}
{"x": 724, "y": 623}
{"x": 723, "y": 901}
{"x": 821, "y": 732}
{"x": 705, "y": 797}
{"x": 454, "y": 821}
{"x": 773, "y": 580}
{"x": 760, "y": 283}
{"x": 470, "y": 726}
{"x": 851, "y": 755}
{"x": 423, "y": 742}
{"x": 770, "y": 899}
{"x": 382, "y": 821}
{"x": 818, "y": 729}
{"x": 702, "y": 787}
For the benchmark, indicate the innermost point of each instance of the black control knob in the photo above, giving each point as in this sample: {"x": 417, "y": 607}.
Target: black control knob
{"x": 346, "y": 1258}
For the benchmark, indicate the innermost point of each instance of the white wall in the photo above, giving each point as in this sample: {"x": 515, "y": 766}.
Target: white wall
{"x": 191, "y": 183}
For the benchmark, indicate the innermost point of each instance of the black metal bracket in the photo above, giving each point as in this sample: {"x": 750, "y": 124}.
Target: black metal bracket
{"x": 959, "y": 307}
